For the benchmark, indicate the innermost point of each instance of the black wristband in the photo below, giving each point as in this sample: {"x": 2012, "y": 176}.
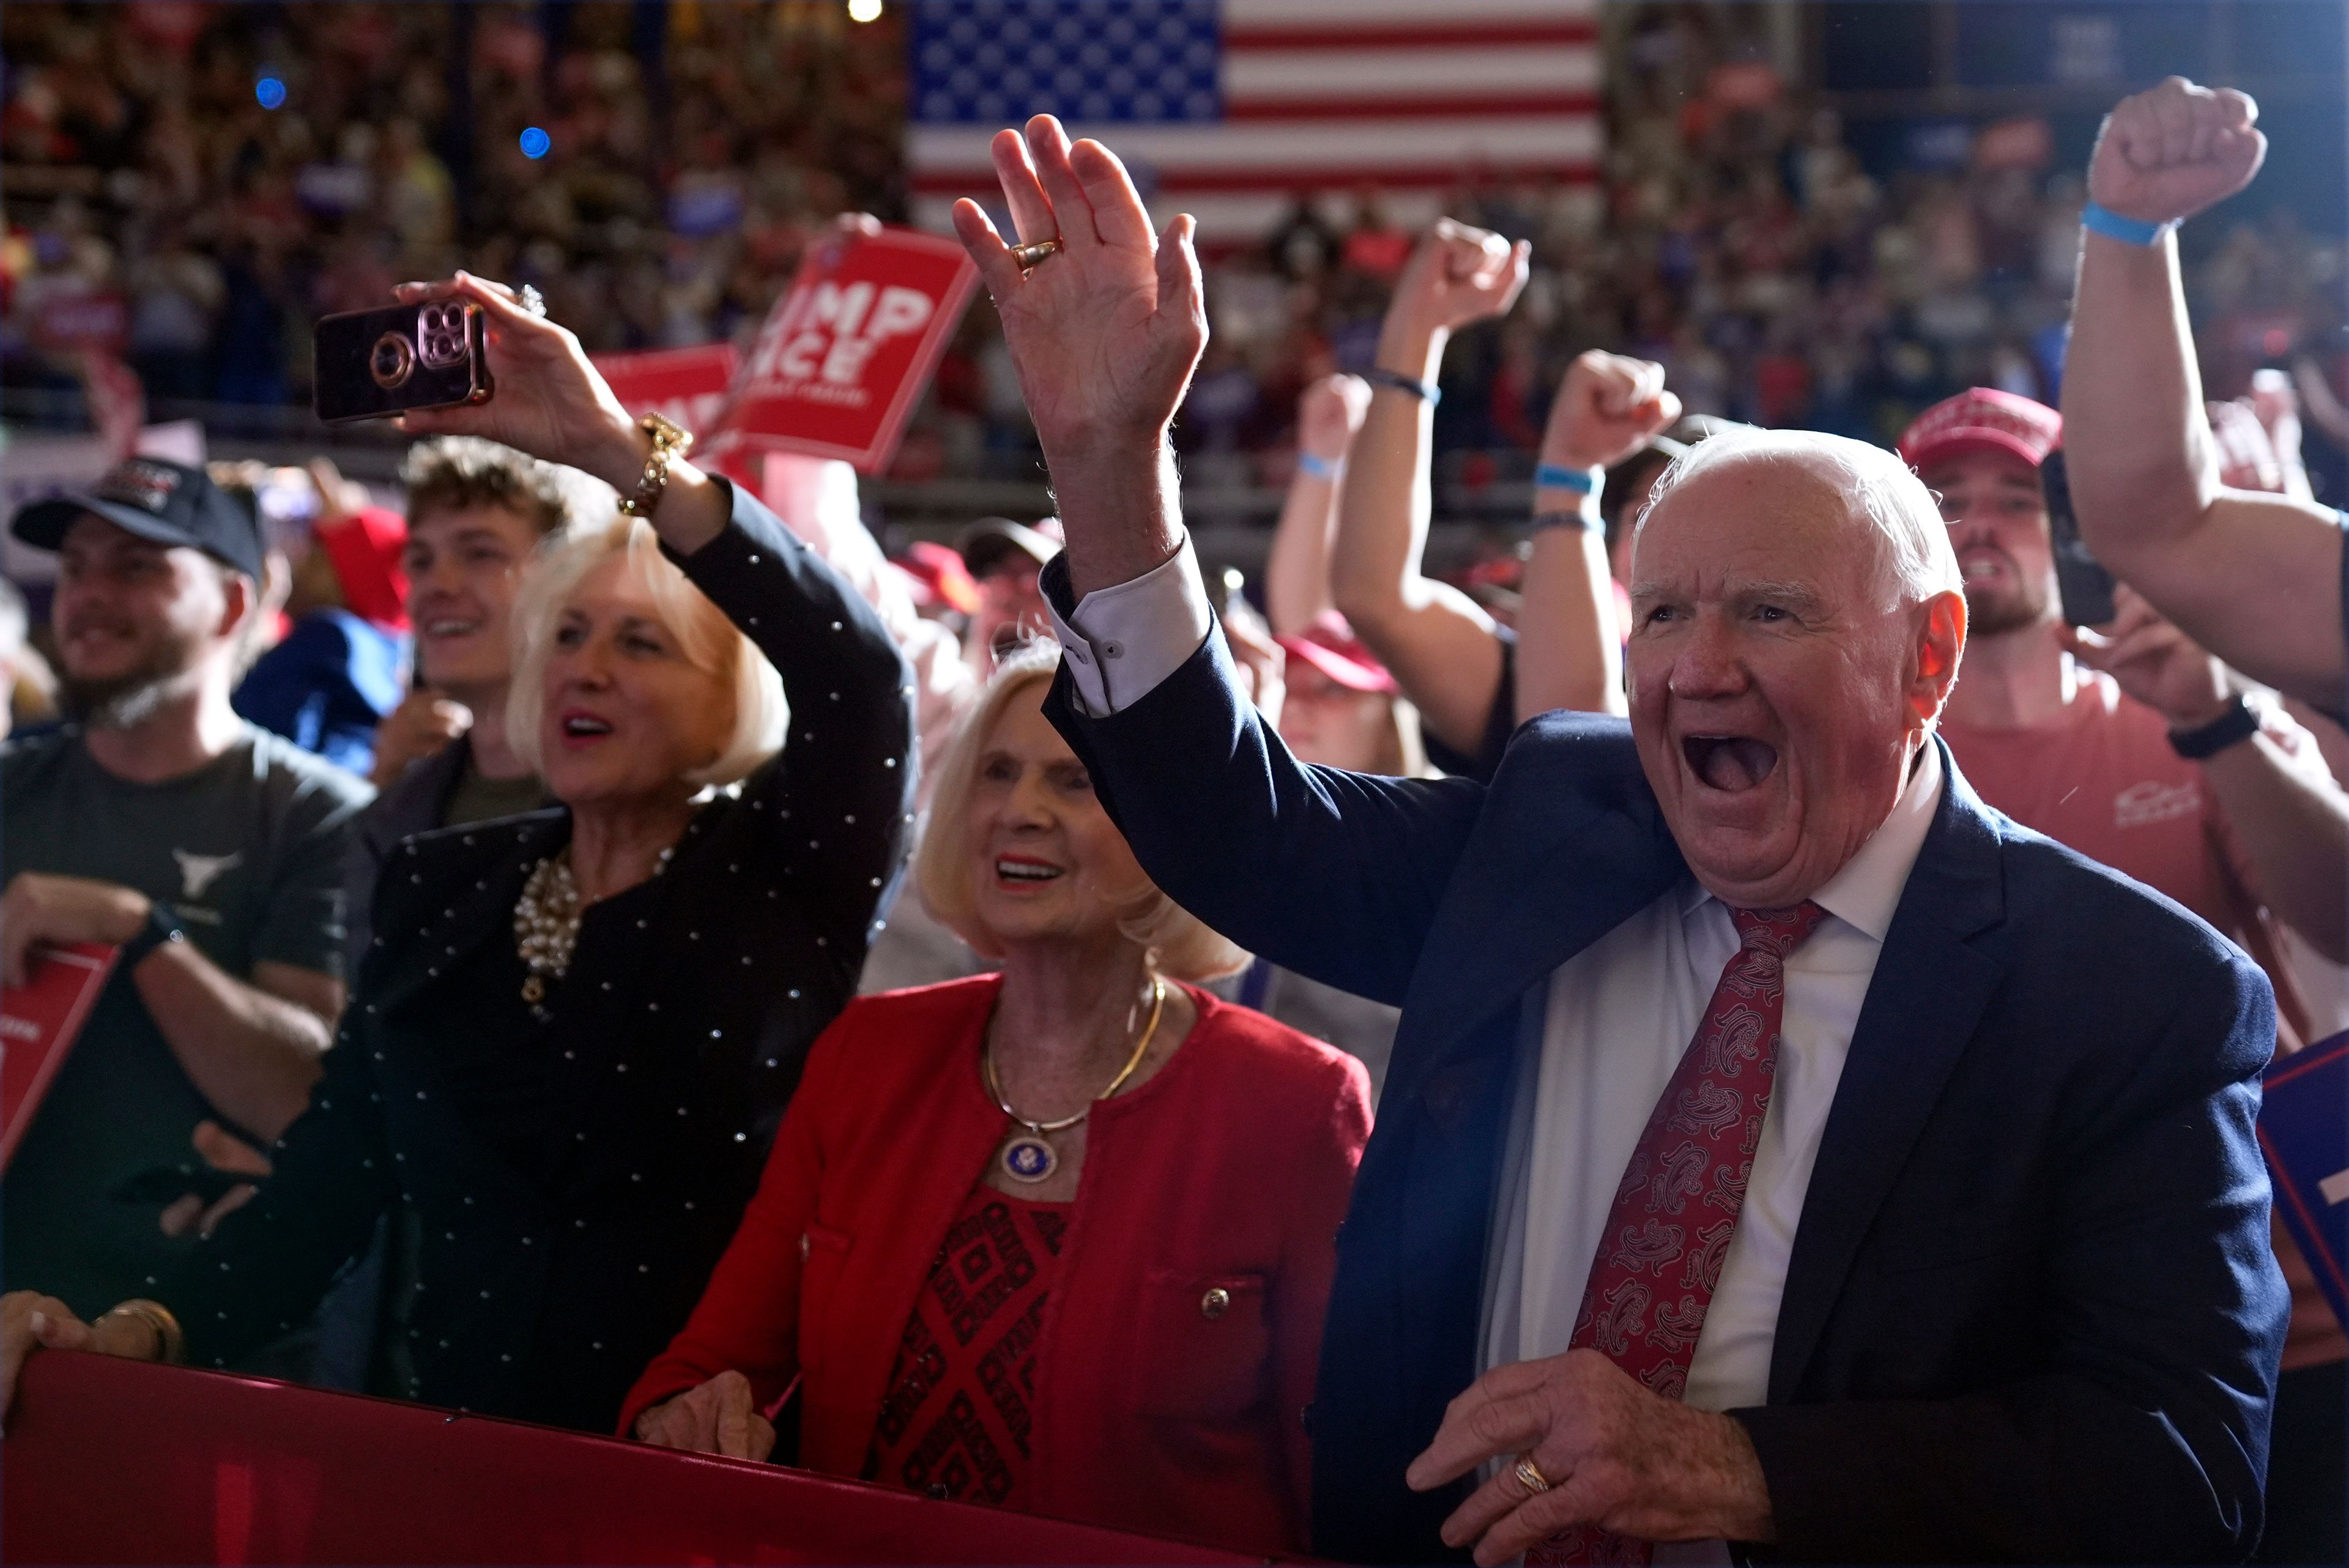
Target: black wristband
{"x": 162, "y": 926}
{"x": 2240, "y": 722}
{"x": 1427, "y": 392}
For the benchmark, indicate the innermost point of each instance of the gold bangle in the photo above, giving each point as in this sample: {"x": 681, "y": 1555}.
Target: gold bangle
{"x": 670, "y": 442}
{"x": 171, "y": 1344}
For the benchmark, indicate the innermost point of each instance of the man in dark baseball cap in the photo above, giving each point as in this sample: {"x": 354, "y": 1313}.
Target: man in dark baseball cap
{"x": 1004, "y": 558}
{"x": 208, "y": 852}
{"x": 162, "y": 502}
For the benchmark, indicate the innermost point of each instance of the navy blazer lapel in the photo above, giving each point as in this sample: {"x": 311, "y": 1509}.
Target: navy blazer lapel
{"x": 1562, "y": 856}
{"x": 1928, "y": 992}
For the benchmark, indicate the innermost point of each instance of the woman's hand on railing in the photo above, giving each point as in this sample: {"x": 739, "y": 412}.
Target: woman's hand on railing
{"x": 718, "y": 1418}
{"x": 30, "y": 1321}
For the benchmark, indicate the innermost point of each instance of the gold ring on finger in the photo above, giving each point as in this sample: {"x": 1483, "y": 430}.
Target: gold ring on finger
{"x": 1530, "y": 1474}
{"x": 1029, "y": 255}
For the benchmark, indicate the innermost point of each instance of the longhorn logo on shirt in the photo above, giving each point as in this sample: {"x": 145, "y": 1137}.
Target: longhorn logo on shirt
{"x": 198, "y": 872}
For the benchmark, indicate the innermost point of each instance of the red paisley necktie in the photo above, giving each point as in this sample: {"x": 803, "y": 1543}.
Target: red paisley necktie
{"x": 1669, "y": 1228}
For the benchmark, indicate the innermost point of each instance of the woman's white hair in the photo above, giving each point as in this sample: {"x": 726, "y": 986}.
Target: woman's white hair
{"x": 705, "y": 637}
{"x": 1181, "y": 946}
{"x": 1918, "y": 560}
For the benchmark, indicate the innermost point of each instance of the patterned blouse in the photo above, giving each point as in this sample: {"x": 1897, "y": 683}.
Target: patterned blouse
{"x": 956, "y": 1421}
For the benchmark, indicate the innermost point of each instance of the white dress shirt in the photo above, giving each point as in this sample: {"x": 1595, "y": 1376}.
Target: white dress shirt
{"x": 1604, "y": 1037}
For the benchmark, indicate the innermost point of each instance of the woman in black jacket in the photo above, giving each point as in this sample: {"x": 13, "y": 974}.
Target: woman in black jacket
{"x": 575, "y": 1032}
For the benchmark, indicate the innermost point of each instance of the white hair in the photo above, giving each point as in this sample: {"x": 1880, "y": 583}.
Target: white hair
{"x": 705, "y": 638}
{"x": 1177, "y": 943}
{"x": 1916, "y": 554}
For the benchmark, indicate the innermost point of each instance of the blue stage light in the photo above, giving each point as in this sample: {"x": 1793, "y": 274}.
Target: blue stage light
{"x": 269, "y": 92}
{"x": 534, "y": 142}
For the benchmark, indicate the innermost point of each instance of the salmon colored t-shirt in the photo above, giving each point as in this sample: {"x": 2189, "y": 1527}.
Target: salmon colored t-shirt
{"x": 2103, "y": 780}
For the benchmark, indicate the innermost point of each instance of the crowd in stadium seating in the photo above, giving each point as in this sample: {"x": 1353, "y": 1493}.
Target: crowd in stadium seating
{"x": 162, "y": 190}
{"x": 1795, "y": 1091}
{"x": 1739, "y": 241}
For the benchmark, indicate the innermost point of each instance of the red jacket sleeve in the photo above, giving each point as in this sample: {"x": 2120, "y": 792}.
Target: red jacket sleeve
{"x": 747, "y": 1318}
{"x": 1329, "y": 1147}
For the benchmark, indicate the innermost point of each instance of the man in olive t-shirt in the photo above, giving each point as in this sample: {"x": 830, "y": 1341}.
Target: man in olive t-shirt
{"x": 247, "y": 851}
{"x": 208, "y": 851}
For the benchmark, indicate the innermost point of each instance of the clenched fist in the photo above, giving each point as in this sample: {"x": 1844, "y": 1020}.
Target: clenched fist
{"x": 1608, "y": 407}
{"x": 1328, "y": 413}
{"x": 1457, "y": 275}
{"x": 2167, "y": 153}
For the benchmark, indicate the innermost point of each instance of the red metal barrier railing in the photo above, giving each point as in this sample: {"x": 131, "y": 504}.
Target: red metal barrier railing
{"x": 116, "y": 1461}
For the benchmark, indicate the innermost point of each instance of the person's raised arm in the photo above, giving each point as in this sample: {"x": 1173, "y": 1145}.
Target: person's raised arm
{"x": 2256, "y": 579}
{"x": 1297, "y": 570}
{"x": 551, "y": 403}
{"x": 1569, "y": 647}
{"x": 1106, "y": 328}
{"x": 1440, "y": 646}
{"x": 1335, "y": 875}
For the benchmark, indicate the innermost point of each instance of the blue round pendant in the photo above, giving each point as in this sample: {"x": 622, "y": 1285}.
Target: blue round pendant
{"x": 1030, "y": 1158}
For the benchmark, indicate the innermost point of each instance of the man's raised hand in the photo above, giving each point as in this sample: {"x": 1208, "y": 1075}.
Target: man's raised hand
{"x": 1105, "y": 335}
{"x": 2169, "y": 152}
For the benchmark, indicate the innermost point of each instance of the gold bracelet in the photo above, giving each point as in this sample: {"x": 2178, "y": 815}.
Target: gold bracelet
{"x": 171, "y": 1344}
{"x": 669, "y": 443}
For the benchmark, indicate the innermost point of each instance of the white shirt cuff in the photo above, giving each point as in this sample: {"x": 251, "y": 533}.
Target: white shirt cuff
{"x": 1122, "y": 640}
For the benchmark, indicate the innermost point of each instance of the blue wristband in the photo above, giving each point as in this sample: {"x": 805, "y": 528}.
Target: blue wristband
{"x": 1427, "y": 392}
{"x": 1552, "y": 476}
{"x": 2129, "y": 231}
{"x": 1318, "y": 467}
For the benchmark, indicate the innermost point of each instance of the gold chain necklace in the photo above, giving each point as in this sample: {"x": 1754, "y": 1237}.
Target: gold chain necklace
{"x": 1030, "y": 1156}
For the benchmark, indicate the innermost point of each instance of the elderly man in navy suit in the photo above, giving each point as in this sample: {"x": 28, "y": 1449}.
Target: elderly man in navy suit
{"x": 1783, "y": 1151}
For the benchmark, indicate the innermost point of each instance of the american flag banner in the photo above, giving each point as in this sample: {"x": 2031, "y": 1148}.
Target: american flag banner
{"x": 1226, "y": 109}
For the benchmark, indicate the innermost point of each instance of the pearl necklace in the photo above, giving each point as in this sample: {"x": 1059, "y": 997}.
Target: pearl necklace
{"x": 547, "y": 921}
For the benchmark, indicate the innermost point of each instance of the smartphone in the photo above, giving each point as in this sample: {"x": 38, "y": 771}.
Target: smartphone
{"x": 373, "y": 364}
{"x": 159, "y": 1185}
{"x": 2081, "y": 581}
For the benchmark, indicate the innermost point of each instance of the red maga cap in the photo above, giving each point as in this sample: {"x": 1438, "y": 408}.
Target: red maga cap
{"x": 1982, "y": 419}
{"x": 1329, "y": 645}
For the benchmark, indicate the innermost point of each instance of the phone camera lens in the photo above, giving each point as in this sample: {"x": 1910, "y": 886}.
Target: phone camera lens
{"x": 392, "y": 360}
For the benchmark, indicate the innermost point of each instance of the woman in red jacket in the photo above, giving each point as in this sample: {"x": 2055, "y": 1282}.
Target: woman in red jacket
{"x": 1058, "y": 1238}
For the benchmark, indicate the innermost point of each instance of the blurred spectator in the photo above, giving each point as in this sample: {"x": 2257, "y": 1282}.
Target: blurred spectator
{"x": 477, "y": 513}
{"x": 1003, "y": 559}
{"x": 208, "y": 850}
{"x": 28, "y": 687}
{"x": 339, "y": 669}
{"x": 196, "y": 193}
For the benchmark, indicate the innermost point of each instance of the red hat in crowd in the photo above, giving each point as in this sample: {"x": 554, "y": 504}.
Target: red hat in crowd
{"x": 1982, "y": 419}
{"x": 1329, "y": 645}
{"x": 365, "y": 549}
{"x": 937, "y": 577}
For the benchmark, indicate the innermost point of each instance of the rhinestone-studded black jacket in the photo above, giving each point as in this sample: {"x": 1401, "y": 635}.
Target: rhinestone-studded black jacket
{"x": 565, "y": 1176}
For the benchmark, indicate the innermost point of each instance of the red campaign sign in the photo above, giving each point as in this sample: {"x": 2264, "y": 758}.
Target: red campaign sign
{"x": 38, "y": 1023}
{"x": 685, "y": 385}
{"x": 846, "y": 352}
{"x": 113, "y": 1461}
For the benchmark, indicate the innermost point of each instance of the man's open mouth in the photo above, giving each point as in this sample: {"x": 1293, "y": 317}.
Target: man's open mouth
{"x": 1729, "y": 762}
